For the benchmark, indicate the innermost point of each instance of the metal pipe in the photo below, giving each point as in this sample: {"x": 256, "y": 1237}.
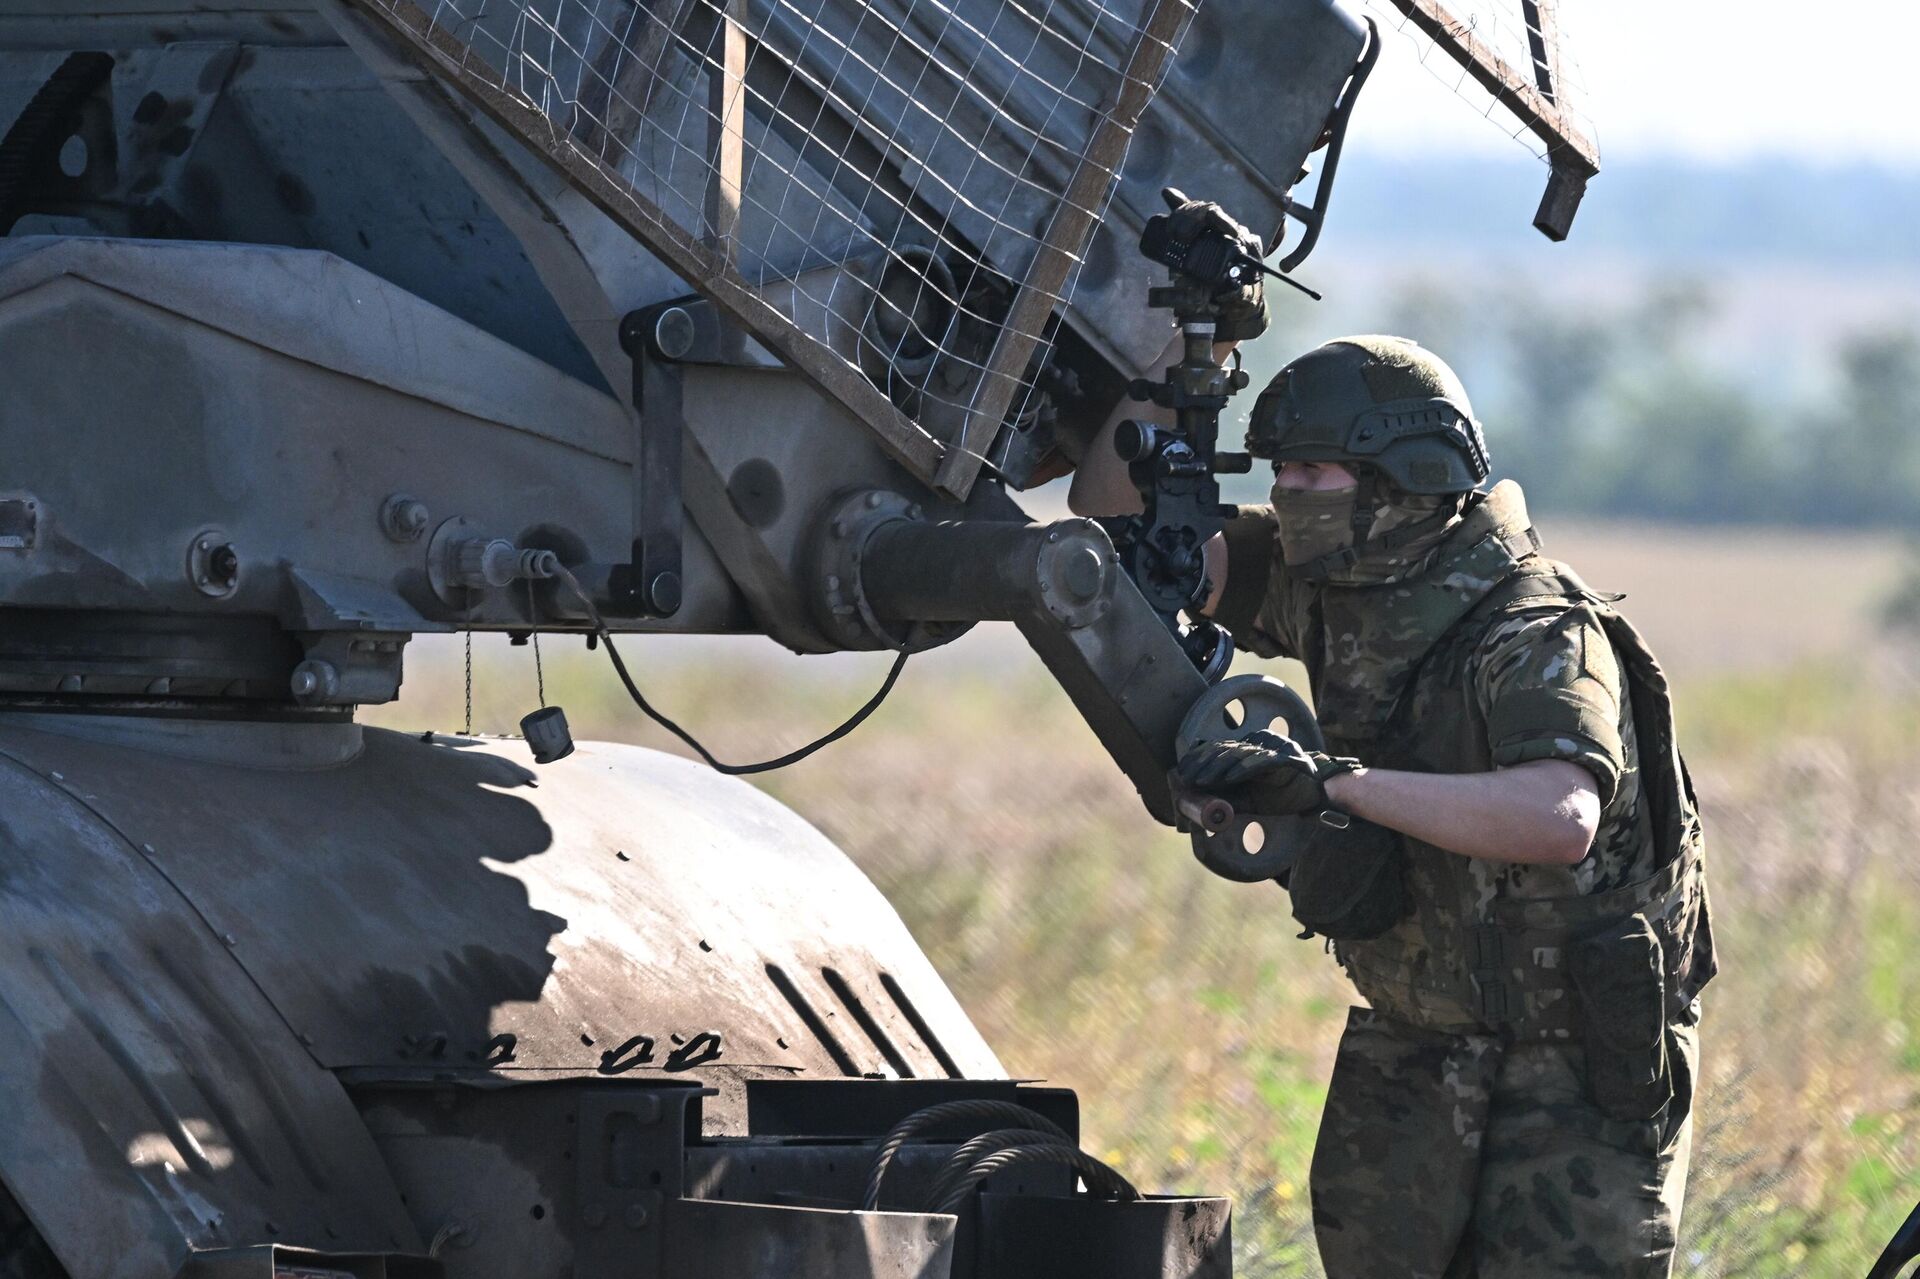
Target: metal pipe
{"x": 972, "y": 570}
{"x": 1062, "y": 585}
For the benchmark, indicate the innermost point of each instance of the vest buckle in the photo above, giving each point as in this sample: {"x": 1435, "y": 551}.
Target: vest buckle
{"x": 1489, "y": 980}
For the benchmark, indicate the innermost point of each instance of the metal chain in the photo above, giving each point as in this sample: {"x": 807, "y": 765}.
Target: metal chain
{"x": 469, "y": 728}
{"x": 533, "y": 615}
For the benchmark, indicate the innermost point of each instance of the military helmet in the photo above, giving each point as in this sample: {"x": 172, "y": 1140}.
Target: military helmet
{"x": 1386, "y": 402}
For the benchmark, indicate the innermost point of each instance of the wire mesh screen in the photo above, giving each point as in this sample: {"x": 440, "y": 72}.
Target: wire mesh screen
{"x": 893, "y": 194}
{"x": 1524, "y": 38}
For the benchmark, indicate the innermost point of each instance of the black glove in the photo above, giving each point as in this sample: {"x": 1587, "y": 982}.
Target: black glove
{"x": 1243, "y": 311}
{"x": 1275, "y": 775}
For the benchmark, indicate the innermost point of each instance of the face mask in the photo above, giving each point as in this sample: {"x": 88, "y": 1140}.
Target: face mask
{"x": 1311, "y": 523}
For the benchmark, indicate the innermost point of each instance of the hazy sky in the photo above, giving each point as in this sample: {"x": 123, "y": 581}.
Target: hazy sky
{"x": 1709, "y": 78}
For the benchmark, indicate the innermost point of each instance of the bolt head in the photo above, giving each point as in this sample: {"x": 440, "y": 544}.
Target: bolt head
{"x": 673, "y": 333}
{"x": 664, "y": 593}
{"x": 637, "y": 1216}
{"x": 404, "y": 517}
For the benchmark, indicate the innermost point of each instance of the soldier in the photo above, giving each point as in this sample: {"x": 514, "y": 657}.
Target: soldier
{"x": 1507, "y": 860}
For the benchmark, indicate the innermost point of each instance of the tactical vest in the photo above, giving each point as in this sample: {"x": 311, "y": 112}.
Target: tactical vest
{"x": 1460, "y": 962}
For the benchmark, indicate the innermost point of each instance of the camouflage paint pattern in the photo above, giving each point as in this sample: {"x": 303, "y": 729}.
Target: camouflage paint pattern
{"x": 1448, "y": 1156}
{"x": 1459, "y": 1138}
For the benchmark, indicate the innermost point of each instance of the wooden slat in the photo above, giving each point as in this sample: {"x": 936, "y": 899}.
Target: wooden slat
{"x": 678, "y": 248}
{"x": 726, "y": 134}
{"x": 1567, "y": 147}
{"x": 1067, "y": 233}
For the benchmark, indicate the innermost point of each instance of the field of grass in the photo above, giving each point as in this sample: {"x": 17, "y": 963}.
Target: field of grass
{"x": 1094, "y": 952}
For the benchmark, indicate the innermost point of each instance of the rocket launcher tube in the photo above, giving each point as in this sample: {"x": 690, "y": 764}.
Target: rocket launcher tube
{"x": 1062, "y": 586}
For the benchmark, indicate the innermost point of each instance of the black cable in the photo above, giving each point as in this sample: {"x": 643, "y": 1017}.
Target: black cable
{"x": 1005, "y": 1112}
{"x": 732, "y": 770}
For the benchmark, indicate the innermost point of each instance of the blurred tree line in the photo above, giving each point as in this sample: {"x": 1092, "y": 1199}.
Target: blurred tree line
{"x": 1627, "y": 412}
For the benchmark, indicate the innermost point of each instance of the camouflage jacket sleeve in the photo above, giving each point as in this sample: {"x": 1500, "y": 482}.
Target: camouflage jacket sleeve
{"x": 1548, "y": 683}
{"x": 1251, "y": 606}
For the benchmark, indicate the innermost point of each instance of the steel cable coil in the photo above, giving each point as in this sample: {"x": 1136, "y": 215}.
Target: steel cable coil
{"x": 970, "y": 1153}
{"x": 1101, "y": 1180}
{"x": 1003, "y": 1112}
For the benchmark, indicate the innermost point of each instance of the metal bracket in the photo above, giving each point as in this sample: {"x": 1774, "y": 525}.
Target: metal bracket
{"x": 657, "y": 338}
{"x": 1314, "y": 216}
{"x": 630, "y": 1163}
{"x": 1537, "y": 104}
{"x": 661, "y": 340}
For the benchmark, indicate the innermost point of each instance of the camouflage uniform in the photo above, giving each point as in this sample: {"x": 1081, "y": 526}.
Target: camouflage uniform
{"x": 1474, "y": 1125}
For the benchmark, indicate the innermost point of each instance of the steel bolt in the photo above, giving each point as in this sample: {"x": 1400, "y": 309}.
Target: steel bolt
{"x": 314, "y": 680}
{"x": 637, "y": 1216}
{"x": 873, "y": 501}
{"x": 673, "y": 333}
{"x": 664, "y": 593}
{"x": 404, "y": 517}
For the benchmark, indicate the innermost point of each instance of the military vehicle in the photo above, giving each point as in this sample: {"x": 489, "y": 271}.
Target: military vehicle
{"x": 324, "y": 325}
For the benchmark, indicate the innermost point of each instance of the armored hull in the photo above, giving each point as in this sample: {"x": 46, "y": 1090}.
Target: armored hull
{"x": 342, "y": 989}
{"x": 313, "y": 339}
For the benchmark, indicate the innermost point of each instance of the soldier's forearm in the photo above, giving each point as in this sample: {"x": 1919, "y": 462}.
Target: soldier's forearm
{"x": 1544, "y": 812}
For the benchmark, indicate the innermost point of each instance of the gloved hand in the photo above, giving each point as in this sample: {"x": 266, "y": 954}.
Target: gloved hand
{"x": 1276, "y": 775}
{"x": 1243, "y": 311}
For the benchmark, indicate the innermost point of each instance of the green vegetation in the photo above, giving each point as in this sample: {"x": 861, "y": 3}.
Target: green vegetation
{"x": 1199, "y": 1030}
{"x": 1093, "y": 951}
{"x": 1626, "y": 406}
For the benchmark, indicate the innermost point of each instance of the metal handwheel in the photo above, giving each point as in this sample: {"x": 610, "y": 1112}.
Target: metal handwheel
{"x": 1243, "y": 847}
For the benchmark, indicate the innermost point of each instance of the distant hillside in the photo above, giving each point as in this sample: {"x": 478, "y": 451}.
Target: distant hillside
{"x": 1661, "y": 210}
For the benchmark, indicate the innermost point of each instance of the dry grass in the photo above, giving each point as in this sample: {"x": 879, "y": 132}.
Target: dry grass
{"x": 1094, "y": 952}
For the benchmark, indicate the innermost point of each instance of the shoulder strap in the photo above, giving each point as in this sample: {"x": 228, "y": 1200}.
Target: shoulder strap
{"x": 1663, "y": 772}
{"x": 1531, "y": 576}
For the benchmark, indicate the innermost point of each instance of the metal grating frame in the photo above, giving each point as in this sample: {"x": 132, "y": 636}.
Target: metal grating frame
{"x": 1489, "y": 41}
{"x": 893, "y": 195}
